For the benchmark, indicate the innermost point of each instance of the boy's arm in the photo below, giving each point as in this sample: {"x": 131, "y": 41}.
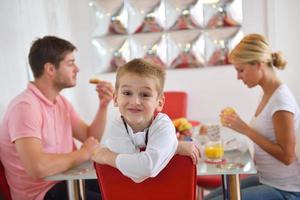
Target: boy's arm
{"x": 162, "y": 145}
{"x": 103, "y": 155}
{"x": 122, "y": 153}
{"x": 189, "y": 149}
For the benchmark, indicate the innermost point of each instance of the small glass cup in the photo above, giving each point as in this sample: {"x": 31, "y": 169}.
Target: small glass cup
{"x": 214, "y": 151}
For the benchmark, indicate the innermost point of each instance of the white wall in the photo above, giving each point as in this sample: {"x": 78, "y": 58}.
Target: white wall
{"x": 209, "y": 89}
{"x": 285, "y": 35}
{"x": 20, "y": 23}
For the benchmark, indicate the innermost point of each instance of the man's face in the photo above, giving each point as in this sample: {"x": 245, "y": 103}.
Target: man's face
{"x": 66, "y": 73}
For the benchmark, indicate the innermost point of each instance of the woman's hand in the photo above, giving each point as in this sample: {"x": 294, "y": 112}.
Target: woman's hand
{"x": 189, "y": 149}
{"x": 234, "y": 122}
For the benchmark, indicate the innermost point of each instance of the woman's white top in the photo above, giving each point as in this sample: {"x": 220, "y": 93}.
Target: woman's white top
{"x": 271, "y": 171}
{"x": 131, "y": 161}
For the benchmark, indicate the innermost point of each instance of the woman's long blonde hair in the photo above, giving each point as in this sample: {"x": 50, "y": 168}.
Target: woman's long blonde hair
{"x": 255, "y": 48}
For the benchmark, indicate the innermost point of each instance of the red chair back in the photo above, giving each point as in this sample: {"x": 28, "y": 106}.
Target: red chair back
{"x": 175, "y": 104}
{"x": 4, "y": 188}
{"x": 177, "y": 181}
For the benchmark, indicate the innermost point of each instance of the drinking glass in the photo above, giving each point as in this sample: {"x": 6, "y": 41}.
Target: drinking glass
{"x": 214, "y": 151}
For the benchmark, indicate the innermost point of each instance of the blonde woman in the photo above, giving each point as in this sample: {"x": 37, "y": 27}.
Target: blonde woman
{"x": 272, "y": 128}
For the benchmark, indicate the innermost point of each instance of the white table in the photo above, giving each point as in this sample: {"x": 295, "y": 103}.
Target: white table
{"x": 230, "y": 177}
{"x": 75, "y": 179}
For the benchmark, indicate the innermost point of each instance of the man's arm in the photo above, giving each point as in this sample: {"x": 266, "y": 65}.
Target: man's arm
{"x": 39, "y": 164}
{"x": 81, "y": 130}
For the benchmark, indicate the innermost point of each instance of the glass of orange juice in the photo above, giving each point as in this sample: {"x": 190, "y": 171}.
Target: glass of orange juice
{"x": 214, "y": 151}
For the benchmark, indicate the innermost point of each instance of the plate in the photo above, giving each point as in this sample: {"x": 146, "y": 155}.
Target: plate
{"x": 232, "y": 145}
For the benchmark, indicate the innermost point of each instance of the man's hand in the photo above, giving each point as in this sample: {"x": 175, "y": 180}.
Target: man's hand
{"x": 189, "y": 149}
{"x": 89, "y": 146}
{"x": 105, "y": 92}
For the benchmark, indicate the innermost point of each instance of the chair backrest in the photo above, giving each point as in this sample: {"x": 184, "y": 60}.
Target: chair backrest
{"x": 4, "y": 188}
{"x": 176, "y": 181}
{"x": 175, "y": 104}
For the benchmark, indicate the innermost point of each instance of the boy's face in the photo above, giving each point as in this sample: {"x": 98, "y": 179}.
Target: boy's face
{"x": 137, "y": 99}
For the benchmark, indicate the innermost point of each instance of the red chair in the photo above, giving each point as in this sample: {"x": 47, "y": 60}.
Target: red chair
{"x": 4, "y": 187}
{"x": 207, "y": 182}
{"x": 176, "y": 105}
{"x": 177, "y": 181}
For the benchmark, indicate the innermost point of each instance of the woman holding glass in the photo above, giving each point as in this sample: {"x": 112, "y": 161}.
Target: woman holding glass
{"x": 272, "y": 128}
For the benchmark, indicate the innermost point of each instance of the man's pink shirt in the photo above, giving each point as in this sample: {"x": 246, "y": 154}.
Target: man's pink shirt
{"x": 31, "y": 114}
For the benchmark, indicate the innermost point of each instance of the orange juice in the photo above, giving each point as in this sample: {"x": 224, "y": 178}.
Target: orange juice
{"x": 214, "y": 151}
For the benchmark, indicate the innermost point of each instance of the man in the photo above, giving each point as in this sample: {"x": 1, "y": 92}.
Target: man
{"x": 36, "y": 135}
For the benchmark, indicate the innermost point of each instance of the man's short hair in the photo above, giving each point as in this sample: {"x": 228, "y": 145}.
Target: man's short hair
{"x": 144, "y": 68}
{"x": 49, "y": 49}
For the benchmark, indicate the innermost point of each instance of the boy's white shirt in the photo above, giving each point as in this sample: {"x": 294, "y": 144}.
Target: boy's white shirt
{"x": 140, "y": 165}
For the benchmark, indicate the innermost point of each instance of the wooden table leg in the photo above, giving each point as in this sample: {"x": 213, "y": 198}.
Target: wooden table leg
{"x": 234, "y": 187}
{"x": 231, "y": 187}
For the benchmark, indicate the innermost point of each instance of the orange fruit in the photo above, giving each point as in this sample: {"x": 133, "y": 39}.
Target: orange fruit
{"x": 226, "y": 111}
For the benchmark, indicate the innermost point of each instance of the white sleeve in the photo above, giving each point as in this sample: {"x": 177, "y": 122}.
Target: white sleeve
{"x": 117, "y": 139}
{"x": 284, "y": 101}
{"x": 161, "y": 147}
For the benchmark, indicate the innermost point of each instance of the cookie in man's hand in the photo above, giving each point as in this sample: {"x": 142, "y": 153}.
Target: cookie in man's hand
{"x": 94, "y": 80}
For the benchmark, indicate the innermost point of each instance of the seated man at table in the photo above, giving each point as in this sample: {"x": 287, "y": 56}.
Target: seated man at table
{"x": 141, "y": 141}
{"x": 37, "y": 131}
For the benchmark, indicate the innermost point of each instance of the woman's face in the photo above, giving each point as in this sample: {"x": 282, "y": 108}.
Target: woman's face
{"x": 250, "y": 74}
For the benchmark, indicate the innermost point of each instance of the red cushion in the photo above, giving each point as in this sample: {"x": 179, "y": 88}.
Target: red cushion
{"x": 213, "y": 181}
{"x": 4, "y": 188}
{"x": 175, "y": 104}
{"x": 209, "y": 181}
{"x": 195, "y": 123}
{"x": 177, "y": 181}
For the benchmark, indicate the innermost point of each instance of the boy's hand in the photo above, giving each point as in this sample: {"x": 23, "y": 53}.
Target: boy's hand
{"x": 189, "y": 149}
{"x": 103, "y": 155}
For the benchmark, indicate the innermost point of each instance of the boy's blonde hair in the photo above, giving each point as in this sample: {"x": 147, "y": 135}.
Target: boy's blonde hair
{"x": 144, "y": 68}
{"x": 255, "y": 48}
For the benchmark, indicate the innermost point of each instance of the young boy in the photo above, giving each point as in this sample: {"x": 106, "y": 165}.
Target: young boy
{"x": 141, "y": 141}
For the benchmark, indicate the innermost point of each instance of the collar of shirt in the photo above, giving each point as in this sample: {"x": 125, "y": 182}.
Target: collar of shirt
{"x": 40, "y": 95}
